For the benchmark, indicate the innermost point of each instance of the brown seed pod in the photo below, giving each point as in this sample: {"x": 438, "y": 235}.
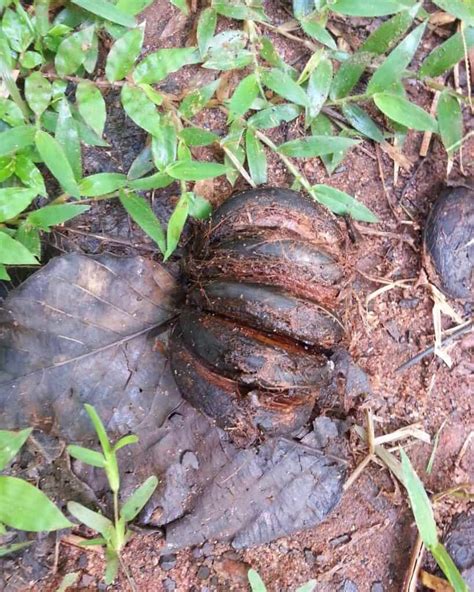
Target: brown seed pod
{"x": 448, "y": 252}
{"x": 250, "y": 349}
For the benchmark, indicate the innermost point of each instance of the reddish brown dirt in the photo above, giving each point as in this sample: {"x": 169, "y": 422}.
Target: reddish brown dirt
{"x": 368, "y": 538}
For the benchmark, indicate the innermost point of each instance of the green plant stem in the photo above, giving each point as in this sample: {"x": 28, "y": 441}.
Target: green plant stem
{"x": 360, "y": 98}
{"x": 116, "y": 512}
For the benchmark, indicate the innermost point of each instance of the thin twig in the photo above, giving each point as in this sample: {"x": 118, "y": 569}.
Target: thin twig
{"x": 410, "y": 581}
{"x": 78, "y": 79}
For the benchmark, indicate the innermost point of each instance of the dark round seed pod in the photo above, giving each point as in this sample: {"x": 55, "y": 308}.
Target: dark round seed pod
{"x": 250, "y": 348}
{"x": 448, "y": 252}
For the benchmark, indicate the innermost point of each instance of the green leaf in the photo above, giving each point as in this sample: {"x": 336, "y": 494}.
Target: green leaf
{"x": 302, "y": 8}
{"x": 112, "y": 559}
{"x": 314, "y": 28}
{"x": 141, "y": 213}
{"x": 449, "y": 568}
{"x": 10, "y": 444}
{"x": 272, "y": 57}
{"x": 107, "y": 11}
{"x": 53, "y": 215}
{"x": 199, "y": 207}
{"x": 87, "y": 456}
{"x": 256, "y": 158}
{"x": 448, "y": 54}
{"x": 342, "y": 203}
{"x": 101, "y": 184}
{"x": 16, "y": 138}
{"x": 176, "y": 224}
{"x": 12, "y": 252}
{"x": 402, "y": 111}
{"x": 13, "y": 547}
{"x": 91, "y": 106}
{"x": 140, "y": 109}
{"x": 29, "y": 174}
{"x": 55, "y": 159}
{"x": 7, "y": 167}
{"x": 29, "y": 237}
{"x": 285, "y": 86}
{"x": 206, "y": 28}
{"x": 364, "y": 8}
{"x": 182, "y": 5}
{"x": 142, "y": 164}
{"x": 25, "y": 507}
{"x": 195, "y": 170}
{"x": 461, "y": 9}
{"x": 156, "y": 66}
{"x": 227, "y": 51}
{"x": 308, "y": 587}
{"x": 11, "y": 113}
{"x": 68, "y": 580}
{"x": 311, "y": 146}
{"x": 17, "y": 29}
{"x": 256, "y": 582}
{"x": 154, "y": 96}
{"x": 92, "y": 519}
{"x": 197, "y": 99}
{"x": 92, "y": 54}
{"x": 395, "y": 65}
{"x": 237, "y": 9}
{"x": 318, "y": 86}
{"x": 4, "y": 276}
{"x": 72, "y": 51}
{"x": 164, "y": 144}
{"x": 273, "y": 116}
{"x": 125, "y": 441}
{"x": 420, "y": 503}
{"x": 362, "y": 122}
{"x": 156, "y": 181}
{"x": 136, "y": 502}
{"x": 196, "y": 136}
{"x": 244, "y": 95}
{"x": 67, "y": 135}
{"x": 13, "y": 200}
{"x": 133, "y": 7}
{"x": 450, "y": 122}
{"x": 123, "y": 54}
{"x": 38, "y": 92}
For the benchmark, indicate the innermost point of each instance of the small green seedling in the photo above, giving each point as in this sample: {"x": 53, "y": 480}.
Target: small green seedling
{"x": 114, "y": 534}
{"x": 257, "y": 584}
{"x": 423, "y": 513}
{"x": 22, "y": 505}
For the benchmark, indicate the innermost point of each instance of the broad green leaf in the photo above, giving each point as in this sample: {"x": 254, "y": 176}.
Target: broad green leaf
{"x": 133, "y": 7}
{"x": 156, "y": 66}
{"x": 136, "y": 502}
{"x": 13, "y": 200}
{"x": 273, "y": 116}
{"x": 450, "y": 122}
{"x": 256, "y": 582}
{"x": 197, "y": 99}
{"x": 237, "y": 9}
{"x": 38, "y": 92}
{"x": 164, "y": 143}
{"x": 123, "y": 54}
{"x": 4, "y": 276}
{"x": 195, "y": 170}
{"x": 73, "y": 50}
{"x": 25, "y": 507}
{"x": 182, "y": 5}
{"x": 156, "y": 181}
{"x": 11, "y": 113}
{"x": 318, "y": 86}
{"x": 92, "y": 519}
{"x": 154, "y": 96}
{"x": 31, "y": 59}
{"x": 206, "y": 28}
{"x": 12, "y": 252}
{"x": 285, "y": 86}
{"x": 7, "y": 167}
{"x": 461, "y": 9}
{"x": 311, "y": 146}
{"x": 101, "y": 184}
{"x": 256, "y": 158}
{"x": 402, "y": 111}
{"x": 244, "y": 95}
{"x": 142, "y": 164}
{"x": 365, "y": 8}
{"x": 91, "y": 106}
{"x": 140, "y": 109}
{"x": 67, "y": 135}
{"x": 362, "y": 122}
{"x": 10, "y": 444}
{"x": 272, "y": 57}
{"x": 342, "y": 203}
{"x": 420, "y": 503}
{"x": 125, "y": 441}
{"x": 196, "y": 136}
{"x": 54, "y": 215}
{"x": 449, "y": 568}
{"x": 92, "y": 54}
{"x": 176, "y": 224}
{"x": 107, "y": 11}
{"x": 315, "y": 28}
{"x": 302, "y": 8}
{"x": 17, "y": 29}
{"x": 227, "y": 51}
{"x": 141, "y": 213}
{"x": 29, "y": 237}
{"x": 55, "y": 159}
{"x": 87, "y": 456}
{"x": 16, "y": 139}
{"x": 448, "y": 54}
{"x": 13, "y": 547}
{"x": 29, "y": 174}
{"x": 392, "y": 69}
{"x": 391, "y": 31}
{"x": 199, "y": 207}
